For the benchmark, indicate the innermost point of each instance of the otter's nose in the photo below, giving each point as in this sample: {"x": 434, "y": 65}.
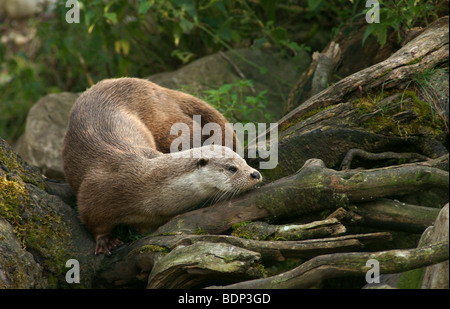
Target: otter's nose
{"x": 255, "y": 175}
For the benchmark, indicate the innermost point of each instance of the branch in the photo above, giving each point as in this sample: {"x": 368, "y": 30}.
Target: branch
{"x": 266, "y": 231}
{"x": 130, "y": 265}
{"x": 313, "y": 188}
{"x": 351, "y": 154}
{"x": 191, "y": 266}
{"x": 395, "y": 215}
{"x": 337, "y": 265}
{"x": 420, "y": 54}
{"x": 316, "y": 77}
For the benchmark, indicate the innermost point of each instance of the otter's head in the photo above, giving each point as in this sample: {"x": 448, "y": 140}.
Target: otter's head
{"x": 225, "y": 171}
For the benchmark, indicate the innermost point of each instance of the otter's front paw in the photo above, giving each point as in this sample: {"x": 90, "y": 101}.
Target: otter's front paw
{"x": 104, "y": 244}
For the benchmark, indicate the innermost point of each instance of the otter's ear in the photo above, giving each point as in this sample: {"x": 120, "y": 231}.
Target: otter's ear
{"x": 202, "y": 162}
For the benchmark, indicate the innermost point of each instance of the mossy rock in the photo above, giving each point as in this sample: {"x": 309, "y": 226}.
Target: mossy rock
{"x": 39, "y": 233}
{"x": 13, "y": 164}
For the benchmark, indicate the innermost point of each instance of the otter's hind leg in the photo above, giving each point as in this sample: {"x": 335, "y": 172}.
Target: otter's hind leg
{"x": 99, "y": 219}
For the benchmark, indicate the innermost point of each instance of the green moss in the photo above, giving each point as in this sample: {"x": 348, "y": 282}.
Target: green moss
{"x": 307, "y": 115}
{"x": 278, "y": 237}
{"x": 151, "y": 248}
{"x": 426, "y": 122}
{"x": 45, "y": 235}
{"x": 12, "y": 195}
{"x": 385, "y": 73}
{"x": 273, "y": 174}
{"x": 240, "y": 230}
{"x": 411, "y": 279}
{"x": 12, "y": 163}
{"x": 414, "y": 61}
{"x": 200, "y": 231}
{"x": 241, "y": 224}
{"x": 261, "y": 269}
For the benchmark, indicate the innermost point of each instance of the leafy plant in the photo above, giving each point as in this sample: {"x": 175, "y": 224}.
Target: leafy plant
{"x": 235, "y": 103}
{"x": 18, "y": 91}
{"x": 401, "y": 15}
{"x": 142, "y": 37}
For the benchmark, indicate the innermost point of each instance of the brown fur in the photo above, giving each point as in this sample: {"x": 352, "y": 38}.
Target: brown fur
{"x": 115, "y": 157}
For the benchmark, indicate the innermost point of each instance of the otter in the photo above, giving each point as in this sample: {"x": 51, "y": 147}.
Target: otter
{"x": 116, "y": 158}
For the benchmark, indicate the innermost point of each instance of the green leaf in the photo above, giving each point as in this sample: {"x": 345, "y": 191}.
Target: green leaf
{"x": 251, "y": 100}
{"x": 269, "y": 8}
{"x": 186, "y": 25}
{"x": 279, "y": 34}
{"x": 144, "y": 6}
{"x": 259, "y": 42}
{"x": 225, "y": 34}
{"x": 112, "y": 17}
{"x": 89, "y": 16}
{"x": 368, "y": 32}
{"x": 263, "y": 70}
{"x": 225, "y": 88}
{"x": 382, "y": 35}
{"x": 188, "y": 6}
{"x": 314, "y": 5}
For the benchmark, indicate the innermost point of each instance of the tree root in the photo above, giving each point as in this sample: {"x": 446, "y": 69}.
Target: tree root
{"x": 312, "y": 272}
{"x": 346, "y": 163}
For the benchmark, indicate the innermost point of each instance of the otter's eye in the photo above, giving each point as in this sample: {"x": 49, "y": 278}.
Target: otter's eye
{"x": 232, "y": 169}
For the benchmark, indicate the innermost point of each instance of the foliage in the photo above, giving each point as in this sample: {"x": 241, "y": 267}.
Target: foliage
{"x": 141, "y": 37}
{"x": 400, "y": 15}
{"x": 18, "y": 91}
{"x": 229, "y": 99}
{"x": 130, "y": 38}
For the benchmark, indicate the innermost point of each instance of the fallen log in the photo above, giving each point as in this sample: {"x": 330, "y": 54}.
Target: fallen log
{"x": 265, "y": 231}
{"x": 312, "y": 272}
{"x": 394, "y": 215}
{"x": 313, "y": 188}
{"x": 131, "y": 265}
{"x": 191, "y": 266}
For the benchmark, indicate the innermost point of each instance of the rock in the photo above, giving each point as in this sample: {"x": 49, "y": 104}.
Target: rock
{"x": 38, "y": 232}
{"x": 18, "y": 269}
{"x": 436, "y": 276}
{"x": 23, "y": 8}
{"x": 213, "y": 71}
{"x": 41, "y": 144}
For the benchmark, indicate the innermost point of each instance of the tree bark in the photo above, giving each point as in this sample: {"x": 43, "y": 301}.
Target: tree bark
{"x": 395, "y": 215}
{"x": 161, "y": 259}
{"x": 313, "y": 188}
{"x": 264, "y": 231}
{"x": 418, "y": 55}
{"x": 312, "y": 272}
{"x": 377, "y": 109}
